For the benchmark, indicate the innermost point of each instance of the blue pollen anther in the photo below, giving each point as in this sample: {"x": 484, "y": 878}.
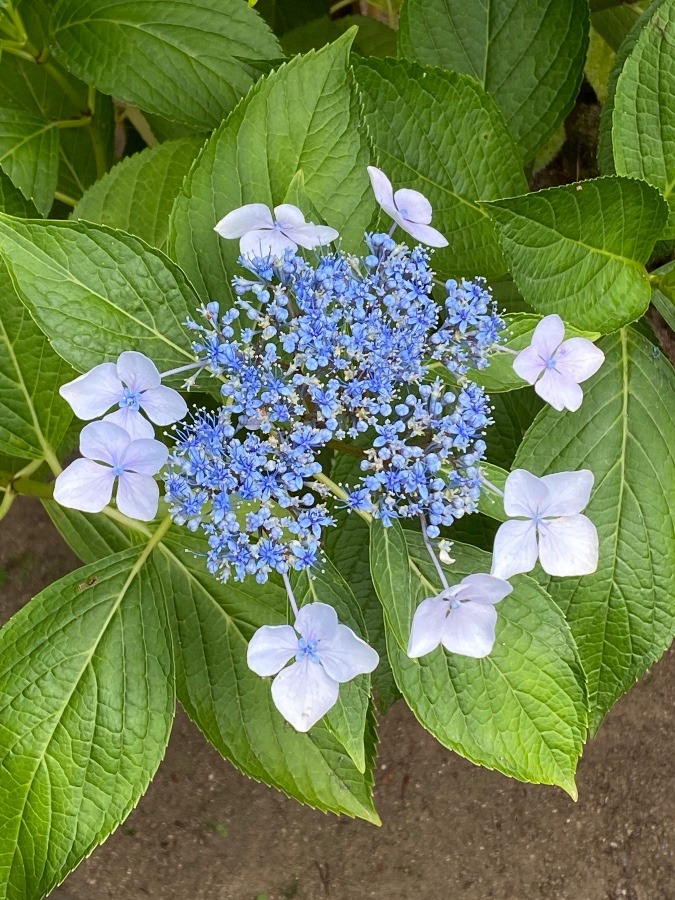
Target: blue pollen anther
{"x": 118, "y": 471}
{"x": 307, "y": 649}
{"x": 455, "y": 603}
{"x": 130, "y": 399}
{"x": 550, "y": 362}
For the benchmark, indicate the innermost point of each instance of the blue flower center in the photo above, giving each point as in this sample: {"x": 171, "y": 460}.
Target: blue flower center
{"x": 307, "y": 650}
{"x": 131, "y": 399}
{"x": 550, "y": 362}
{"x": 455, "y": 603}
{"x": 118, "y": 470}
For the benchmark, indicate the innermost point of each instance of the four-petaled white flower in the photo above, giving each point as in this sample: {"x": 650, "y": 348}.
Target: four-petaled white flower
{"x": 87, "y": 485}
{"x": 549, "y": 509}
{"x": 261, "y": 234}
{"x": 409, "y": 209}
{"x": 462, "y": 618}
{"x": 326, "y": 654}
{"x": 556, "y": 367}
{"x": 133, "y": 384}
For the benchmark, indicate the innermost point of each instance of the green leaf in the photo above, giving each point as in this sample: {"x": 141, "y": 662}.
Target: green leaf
{"x": 283, "y": 15}
{"x": 95, "y": 292}
{"x": 87, "y": 698}
{"x": 29, "y": 155}
{"x": 579, "y": 250}
{"x": 303, "y": 117}
{"x": 414, "y": 116}
{"x": 529, "y": 55}
{"x": 663, "y": 292}
{"x": 13, "y": 202}
{"x": 623, "y": 615}
{"x": 490, "y": 503}
{"x": 614, "y": 24}
{"x": 373, "y": 38}
{"x": 137, "y": 194}
{"x": 513, "y": 413}
{"x": 182, "y": 61}
{"x": 33, "y": 418}
{"x": 390, "y": 571}
{"x": 520, "y": 710}
{"x": 643, "y": 121}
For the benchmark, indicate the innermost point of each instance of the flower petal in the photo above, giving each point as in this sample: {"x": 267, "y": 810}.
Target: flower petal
{"x": 470, "y": 630}
{"x": 568, "y": 492}
{"x": 482, "y": 588}
{"x": 345, "y": 655}
{"x": 104, "y": 441}
{"x": 163, "y": 405}
{"x": 84, "y": 485}
{"x": 266, "y": 243}
{"x": 145, "y": 457}
{"x": 413, "y": 206}
{"x": 515, "y": 549}
{"x": 568, "y": 546}
{"x": 524, "y": 494}
{"x": 578, "y": 359}
{"x": 138, "y": 496}
{"x": 303, "y": 693}
{"x": 384, "y": 192}
{"x": 137, "y": 371}
{"x": 548, "y": 336}
{"x": 135, "y": 424}
{"x": 270, "y": 648}
{"x": 288, "y": 215}
{"x": 529, "y": 364}
{"x": 559, "y": 391}
{"x": 317, "y": 622}
{"x": 310, "y": 235}
{"x": 93, "y": 393}
{"x": 425, "y": 234}
{"x": 427, "y": 626}
{"x": 251, "y": 217}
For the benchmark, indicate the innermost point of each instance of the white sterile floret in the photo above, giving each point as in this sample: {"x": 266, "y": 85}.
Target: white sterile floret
{"x": 549, "y": 525}
{"x": 133, "y": 384}
{"x": 409, "y": 209}
{"x": 462, "y": 618}
{"x": 326, "y": 654}
{"x": 109, "y": 456}
{"x": 262, "y": 234}
{"x": 556, "y": 367}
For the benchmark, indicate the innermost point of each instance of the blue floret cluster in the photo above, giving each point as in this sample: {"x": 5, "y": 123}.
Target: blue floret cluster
{"x": 343, "y": 352}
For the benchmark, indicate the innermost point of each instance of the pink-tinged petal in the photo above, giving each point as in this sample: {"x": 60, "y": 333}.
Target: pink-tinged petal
{"x": 529, "y": 364}
{"x": 138, "y": 496}
{"x": 251, "y": 217}
{"x": 578, "y": 359}
{"x": 93, "y": 393}
{"x": 317, "y": 622}
{"x": 303, "y": 693}
{"x": 145, "y": 457}
{"x": 559, "y": 391}
{"x": 425, "y": 234}
{"x": 137, "y": 371}
{"x": 384, "y": 192}
{"x": 524, "y": 494}
{"x": 266, "y": 243}
{"x": 470, "y": 630}
{"x": 84, "y": 485}
{"x": 310, "y": 236}
{"x": 270, "y": 648}
{"x": 163, "y": 405}
{"x": 413, "y": 206}
{"x": 344, "y": 656}
{"x": 568, "y": 492}
{"x": 427, "y": 627}
{"x": 548, "y": 336}
{"x": 482, "y": 588}
{"x": 568, "y": 546}
{"x": 104, "y": 441}
{"x": 135, "y": 424}
{"x": 288, "y": 215}
{"x": 515, "y": 549}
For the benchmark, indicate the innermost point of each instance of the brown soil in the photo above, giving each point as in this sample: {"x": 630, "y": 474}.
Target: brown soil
{"x": 205, "y": 832}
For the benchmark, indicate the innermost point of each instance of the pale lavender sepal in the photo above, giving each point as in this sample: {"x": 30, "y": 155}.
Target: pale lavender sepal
{"x": 382, "y": 188}
{"x": 163, "y": 405}
{"x": 484, "y": 588}
{"x": 146, "y": 457}
{"x": 269, "y": 242}
{"x": 413, "y": 206}
{"x": 469, "y": 629}
{"x": 345, "y": 655}
{"x": 137, "y": 371}
{"x": 317, "y": 622}
{"x": 84, "y": 485}
{"x": 250, "y": 217}
{"x": 524, "y": 493}
{"x": 425, "y": 234}
{"x": 568, "y": 493}
{"x": 310, "y": 236}
{"x": 137, "y": 496}
{"x": 303, "y": 693}
{"x": 270, "y": 648}
{"x": 548, "y": 335}
{"x": 104, "y": 441}
{"x": 92, "y": 394}
{"x": 559, "y": 391}
{"x": 578, "y": 359}
{"x": 515, "y": 548}
{"x": 135, "y": 424}
{"x": 427, "y": 626}
{"x": 568, "y": 546}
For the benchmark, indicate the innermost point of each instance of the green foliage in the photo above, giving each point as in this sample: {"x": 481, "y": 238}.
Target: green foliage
{"x": 528, "y": 54}
{"x": 13, "y": 202}
{"x": 372, "y": 39}
{"x": 622, "y": 616}
{"x": 580, "y": 250}
{"x": 440, "y": 133}
{"x": 29, "y": 154}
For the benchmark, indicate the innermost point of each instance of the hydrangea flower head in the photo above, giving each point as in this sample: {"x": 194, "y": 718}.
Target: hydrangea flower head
{"x": 409, "y": 209}
{"x": 261, "y": 234}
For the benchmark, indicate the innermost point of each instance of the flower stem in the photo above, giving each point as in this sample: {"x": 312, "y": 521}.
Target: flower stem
{"x": 341, "y": 447}
{"x": 434, "y": 558}
{"x": 338, "y": 492}
{"x": 291, "y": 595}
{"x": 492, "y": 487}
{"x": 187, "y": 368}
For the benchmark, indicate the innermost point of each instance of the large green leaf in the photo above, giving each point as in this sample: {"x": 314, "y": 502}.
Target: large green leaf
{"x": 643, "y": 121}
{"x": 512, "y": 412}
{"x": 87, "y": 699}
{"x": 185, "y": 61}
{"x": 623, "y": 616}
{"x": 29, "y": 154}
{"x": 137, "y": 195}
{"x": 580, "y": 250}
{"x": 283, "y": 15}
{"x": 96, "y": 292}
{"x": 13, "y": 202}
{"x": 529, "y": 54}
{"x": 33, "y": 418}
{"x": 374, "y": 38}
{"x": 522, "y": 709}
{"x": 415, "y": 116}
{"x": 303, "y": 118}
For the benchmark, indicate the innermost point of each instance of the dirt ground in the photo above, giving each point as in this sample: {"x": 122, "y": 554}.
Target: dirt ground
{"x": 205, "y": 832}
